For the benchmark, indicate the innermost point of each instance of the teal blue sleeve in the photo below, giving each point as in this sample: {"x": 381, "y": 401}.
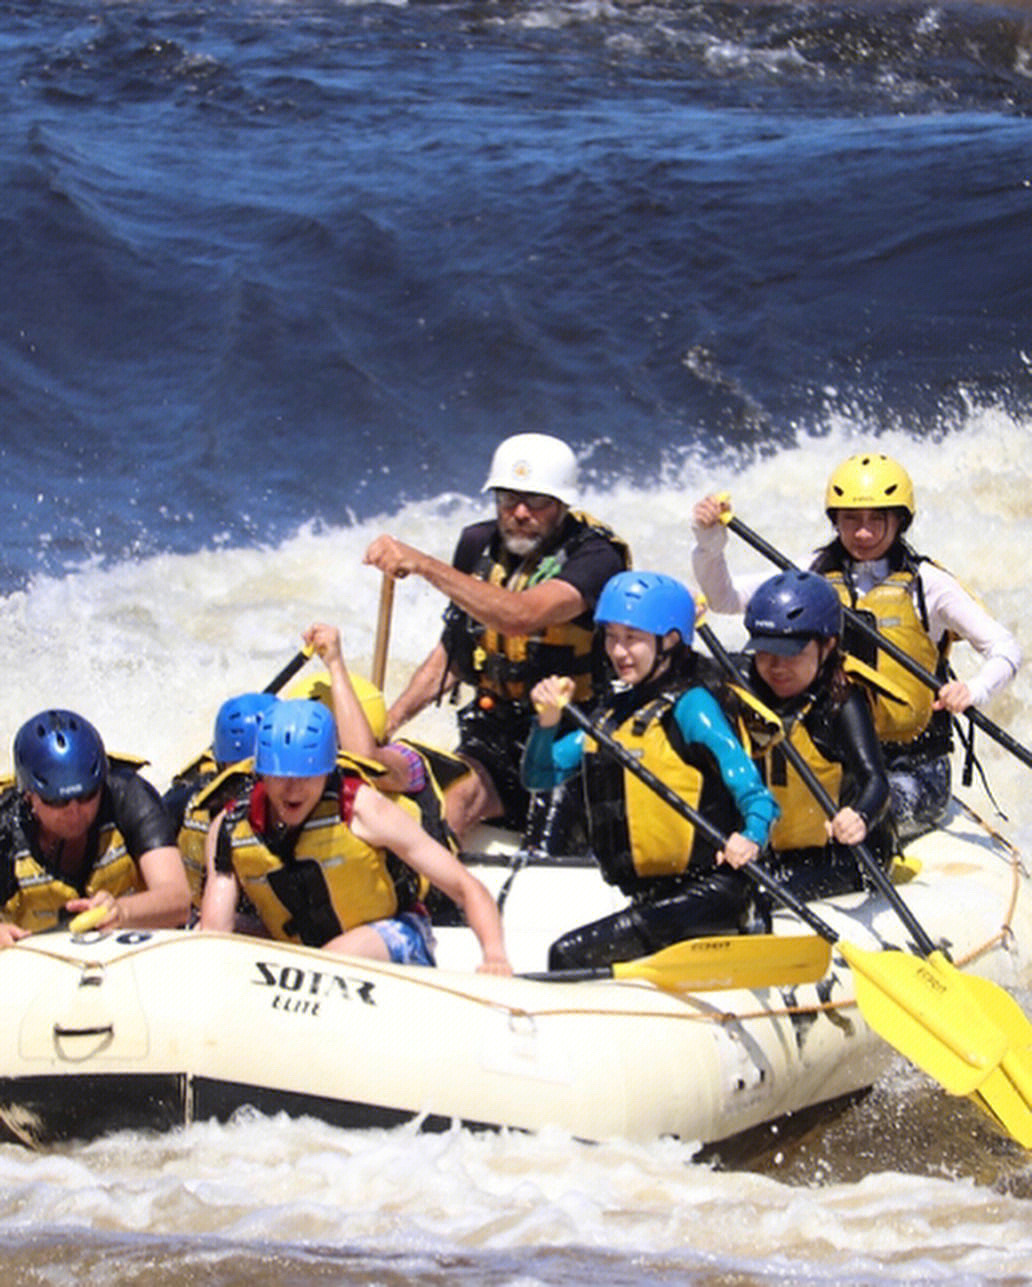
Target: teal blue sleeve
{"x": 701, "y": 720}
{"x": 548, "y": 760}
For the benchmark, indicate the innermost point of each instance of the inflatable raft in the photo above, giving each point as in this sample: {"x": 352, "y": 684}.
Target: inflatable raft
{"x": 154, "y": 1029}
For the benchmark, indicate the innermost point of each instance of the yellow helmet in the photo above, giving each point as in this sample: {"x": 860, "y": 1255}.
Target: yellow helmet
{"x": 870, "y": 481}
{"x": 316, "y": 688}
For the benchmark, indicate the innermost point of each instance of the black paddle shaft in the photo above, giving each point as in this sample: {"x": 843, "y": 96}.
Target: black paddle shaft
{"x": 287, "y": 673}
{"x": 795, "y": 757}
{"x": 669, "y": 796}
{"x": 886, "y": 645}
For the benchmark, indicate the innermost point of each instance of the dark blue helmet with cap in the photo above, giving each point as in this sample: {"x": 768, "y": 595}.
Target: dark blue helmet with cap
{"x": 789, "y": 610}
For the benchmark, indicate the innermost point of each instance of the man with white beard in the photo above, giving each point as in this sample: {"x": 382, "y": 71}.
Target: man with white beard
{"x": 522, "y": 589}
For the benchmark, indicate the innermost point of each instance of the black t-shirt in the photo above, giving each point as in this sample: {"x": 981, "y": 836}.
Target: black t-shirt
{"x": 127, "y": 800}
{"x": 593, "y": 559}
{"x": 138, "y": 812}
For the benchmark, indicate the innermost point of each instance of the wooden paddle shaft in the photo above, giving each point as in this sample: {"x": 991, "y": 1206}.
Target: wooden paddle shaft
{"x": 383, "y": 631}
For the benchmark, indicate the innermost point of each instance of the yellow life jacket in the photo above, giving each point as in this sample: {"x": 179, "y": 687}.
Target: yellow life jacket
{"x": 802, "y": 823}
{"x": 507, "y": 666}
{"x": 332, "y": 882}
{"x": 207, "y": 801}
{"x": 203, "y": 766}
{"x": 635, "y": 836}
{"x": 42, "y": 893}
{"x": 890, "y": 607}
{"x": 427, "y": 808}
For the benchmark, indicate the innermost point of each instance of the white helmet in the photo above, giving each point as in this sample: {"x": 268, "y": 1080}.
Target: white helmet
{"x": 534, "y": 462}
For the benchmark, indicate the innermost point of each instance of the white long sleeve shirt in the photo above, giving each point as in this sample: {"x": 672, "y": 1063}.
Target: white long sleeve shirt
{"x": 948, "y": 604}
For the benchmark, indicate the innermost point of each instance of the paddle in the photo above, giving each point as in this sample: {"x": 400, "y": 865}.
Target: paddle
{"x": 904, "y": 999}
{"x": 383, "y": 631}
{"x": 1007, "y": 1093}
{"x": 289, "y": 670}
{"x": 184, "y": 781}
{"x": 709, "y": 964}
{"x": 795, "y": 757}
{"x": 860, "y": 622}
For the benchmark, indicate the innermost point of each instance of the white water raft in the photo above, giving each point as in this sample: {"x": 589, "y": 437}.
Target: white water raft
{"x": 155, "y": 1029}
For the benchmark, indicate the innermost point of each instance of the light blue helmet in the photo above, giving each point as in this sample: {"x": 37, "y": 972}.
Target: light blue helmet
{"x": 59, "y": 755}
{"x": 649, "y": 601}
{"x": 236, "y": 726}
{"x": 296, "y": 739}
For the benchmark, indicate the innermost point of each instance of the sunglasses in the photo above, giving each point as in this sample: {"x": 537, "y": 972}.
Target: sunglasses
{"x": 534, "y": 501}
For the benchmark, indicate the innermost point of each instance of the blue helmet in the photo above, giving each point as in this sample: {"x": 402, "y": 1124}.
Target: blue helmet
{"x": 789, "y": 610}
{"x": 296, "y": 739}
{"x": 59, "y": 755}
{"x": 236, "y": 726}
{"x": 649, "y": 601}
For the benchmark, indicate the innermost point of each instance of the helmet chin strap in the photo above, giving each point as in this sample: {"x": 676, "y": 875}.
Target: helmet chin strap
{"x": 660, "y": 661}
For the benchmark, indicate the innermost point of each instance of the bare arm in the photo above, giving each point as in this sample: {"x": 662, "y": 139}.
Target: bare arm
{"x": 431, "y": 677}
{"x": 353, "y": 731}
{"x": 166, "y": 900}
{"x": 163, "y": 904}
{"x": 11, "y": 933}
{"x": 511, "y": 612}
{"x": 218, "y": 904}
{"x": 378, "y": 821}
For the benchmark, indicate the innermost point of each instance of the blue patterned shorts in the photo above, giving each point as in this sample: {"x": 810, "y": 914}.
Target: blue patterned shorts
{"x": 409, "y": 938}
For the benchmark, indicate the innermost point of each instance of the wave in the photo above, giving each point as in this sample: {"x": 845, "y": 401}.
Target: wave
{"x": 149, "y": 647}
{"x": 923, "y": 56}
{"x": 278, "y": 1200}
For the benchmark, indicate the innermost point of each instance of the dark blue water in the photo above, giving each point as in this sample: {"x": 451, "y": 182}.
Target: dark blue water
{"x": 273, "y": 263}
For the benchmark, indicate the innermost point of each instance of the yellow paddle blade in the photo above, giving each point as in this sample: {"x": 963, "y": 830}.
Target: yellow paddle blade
{"x": 905, "y": 868}
{"x": 1000, "y": 1008}
{"x": 922, "y": 1007}
{"x": 1006, "y": 1094}
{"x": 735, "y": 961}
{"x": 1001, "y": 1100}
